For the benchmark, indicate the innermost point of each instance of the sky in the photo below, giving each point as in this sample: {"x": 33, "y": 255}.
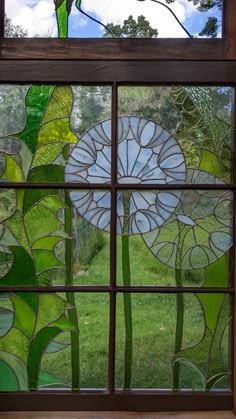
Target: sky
{"x": 38, "y": 16}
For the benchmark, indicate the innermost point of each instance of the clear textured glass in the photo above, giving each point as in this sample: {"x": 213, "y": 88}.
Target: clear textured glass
{"x": 192, "y": 236}
{"x": 204, "y": 354}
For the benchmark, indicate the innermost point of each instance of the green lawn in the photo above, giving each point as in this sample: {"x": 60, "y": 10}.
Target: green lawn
{"x": 154, "y": 322}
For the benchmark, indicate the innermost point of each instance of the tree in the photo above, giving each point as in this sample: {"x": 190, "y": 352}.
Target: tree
{"x": 14, "y": 31}
{"x": 131, "y": 29}
{"x": 203, "y": 5}
{"x": 211, "y": 26}
{"x": 92, "y": 104}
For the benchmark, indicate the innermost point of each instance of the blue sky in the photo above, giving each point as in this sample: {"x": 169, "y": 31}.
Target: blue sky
{"x": 38, "y": 16}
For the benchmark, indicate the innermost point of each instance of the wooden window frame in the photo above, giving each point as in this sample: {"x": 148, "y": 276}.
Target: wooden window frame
{"x": 117, "y": 62}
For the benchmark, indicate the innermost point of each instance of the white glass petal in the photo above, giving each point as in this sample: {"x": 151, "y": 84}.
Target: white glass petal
{"x": 147, "y": 134}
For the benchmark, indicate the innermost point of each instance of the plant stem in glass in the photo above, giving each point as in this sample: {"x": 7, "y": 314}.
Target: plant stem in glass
{"x": 179, "y": 306}
{"x": 75, "y": 362}
{"x": 127, "y": 296}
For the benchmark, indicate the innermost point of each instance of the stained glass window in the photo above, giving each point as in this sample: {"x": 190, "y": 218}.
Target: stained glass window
{"x": 108, "y": 18}
{"x": 148, "y": 193}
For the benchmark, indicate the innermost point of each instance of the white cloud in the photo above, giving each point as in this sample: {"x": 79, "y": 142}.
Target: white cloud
{"x": 36, "y": 16}
{"x": 159, "y": 17}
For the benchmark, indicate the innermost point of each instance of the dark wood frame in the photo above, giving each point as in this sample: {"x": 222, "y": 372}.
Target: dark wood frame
{"x": 126, "y": 49}
{"x": 115, "y": 62}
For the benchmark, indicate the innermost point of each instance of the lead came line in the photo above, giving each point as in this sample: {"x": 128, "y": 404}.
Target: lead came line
{"x": 112, "y": 322}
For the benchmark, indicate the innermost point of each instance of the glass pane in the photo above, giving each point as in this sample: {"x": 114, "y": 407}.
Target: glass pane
{"x": 171, "y": 131}
{"x": 86, "y": 19}
{"x": 91, "y": 237}
{"x": 40, "y": 125}
{"x": 174, "y": 237}
{"x": 54, "y": 237}
{"x": 47, "y": 341}
{"x": 166, "y": 341}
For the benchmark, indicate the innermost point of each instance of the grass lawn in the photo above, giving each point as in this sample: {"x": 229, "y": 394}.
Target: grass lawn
{"x": 154, "y": 322}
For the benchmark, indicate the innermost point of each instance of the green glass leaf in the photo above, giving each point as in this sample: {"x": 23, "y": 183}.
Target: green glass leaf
{"x": 55, "y": 347}
{"x": 61, "y": 233}
{"x": 16, "y": 343}
{"x": 219, "y": 362}
{"x": 24, "y": 317}
{"x": 216, "y": 275}
{"x": 200, "y": 122}
{"x": 64, "y": 324}
{"x": 210, "y": 163}
{"x": 22, "y": 271}
{"x": 57, "y": 130}
{"x": 35, "y": 195}
{"x": 197, "y": 377}
{"x": 55, "y": 126}
{"x": 26, "y": 158}
{"x": 60, "y": 104}
{"x": 18, "y": 367}
{"x": 45, "y": 278}
{"x": 36, "y": 350}
{"x": 47, "y": 173}
{"x": 36, "y": 102}
{"x": 197, "y": 354}
{"x": 211, "y": 304}
{"x": 206, "y": 354}
{"x": 62, "y": 20}
{"x": 46, "y": 379}
{"x": 14, "y": 173}
{"x": 54, "y": 203}
{"x": 63, "y": 9}
{"x": 47, "y": 154}
{"x": 31, "y": 299}
{"x": 45, "y": 259}
{"x": 213, "y": 380}
{"x": 16, "y": 226}
{"x": 8, "y": 381}
{"x": 58, "y": 3}
{"x": 42, "y": 174}
{"x": 51, "y": 307}
{"x": 46, "y": 243}
{"x": 6, "y": 320}
{"x": 40, "y": 222}
{"x": 12, "y": 170}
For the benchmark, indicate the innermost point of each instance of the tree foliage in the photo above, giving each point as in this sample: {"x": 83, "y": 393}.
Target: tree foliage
{"x": 210, "y": 28}
{"x": 203, "y": 5}
{"x": 132, "y": 28}
{"x": 14, "y": 31}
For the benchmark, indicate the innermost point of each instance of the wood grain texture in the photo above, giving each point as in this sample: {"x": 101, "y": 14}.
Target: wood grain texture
{"x": 230, "y": 28}
{"x": 114, "y": 49}
{"x": 117, "y": 415}
{"x": 106, "y": 72}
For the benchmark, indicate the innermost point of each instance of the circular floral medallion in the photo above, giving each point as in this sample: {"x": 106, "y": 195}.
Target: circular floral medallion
{"x": 147, "y": 154}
